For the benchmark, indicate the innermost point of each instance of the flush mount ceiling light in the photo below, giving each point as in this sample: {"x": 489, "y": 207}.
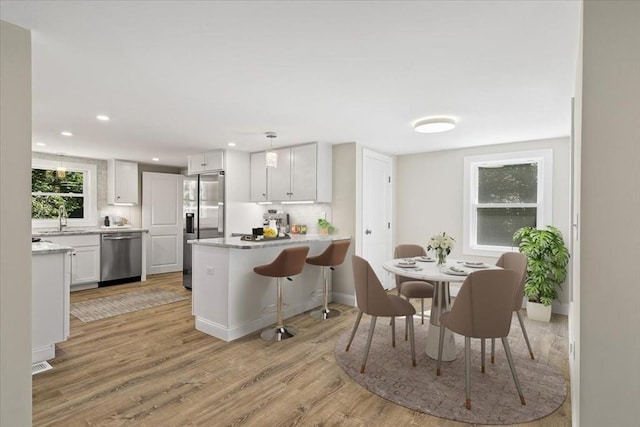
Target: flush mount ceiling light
{"x": 271, "y": 156}
{"x": 435, "y": 125}
{"x": 66, "y": 133}
{"x": 231, "y": 144}
{"x": 102, "y": 118}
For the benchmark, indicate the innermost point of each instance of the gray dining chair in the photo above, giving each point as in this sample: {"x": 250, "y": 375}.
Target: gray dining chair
{"x": 412, "y": 288}
{"x": 372, "y": 299}
{"x": 517, "y": 262}
{"x": 483, "y": 309}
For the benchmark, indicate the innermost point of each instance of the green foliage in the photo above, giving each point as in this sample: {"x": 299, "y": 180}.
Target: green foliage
{"x": 547, "y": 258}
{"x": 53, "y": 191}
{"x": 323, "y": 223}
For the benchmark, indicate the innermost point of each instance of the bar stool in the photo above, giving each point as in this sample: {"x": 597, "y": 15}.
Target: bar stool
{"x": 288, "y": 263}
{"x": 332, "y": 256}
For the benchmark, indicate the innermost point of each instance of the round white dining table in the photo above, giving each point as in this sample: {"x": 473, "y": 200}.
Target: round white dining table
{"x": 440, "y": 276}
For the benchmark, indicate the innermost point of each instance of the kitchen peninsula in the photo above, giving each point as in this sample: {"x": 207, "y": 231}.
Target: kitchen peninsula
{"x": 231, "y": 301}
{"x": 50, "y": 279}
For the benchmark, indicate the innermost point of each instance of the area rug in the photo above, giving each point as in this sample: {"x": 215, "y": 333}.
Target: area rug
{"x": 494, "y": 398}
{"x": 101, "y": 308}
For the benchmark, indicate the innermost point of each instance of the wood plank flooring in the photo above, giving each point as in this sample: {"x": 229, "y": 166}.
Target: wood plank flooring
{"x": 152, "y": 368}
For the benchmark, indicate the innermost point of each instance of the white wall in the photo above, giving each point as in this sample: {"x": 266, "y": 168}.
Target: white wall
{"x": 429, "y": 199}
{"x": 609, "y": 288}
{"x": 15, "y": 225}
{"x": 345, "y": 184}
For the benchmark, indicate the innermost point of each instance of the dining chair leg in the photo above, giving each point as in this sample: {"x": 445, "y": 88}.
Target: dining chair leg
{"x": 393, "y": 332}
{"x": 482, "y": 349}
{"x": 493, "y": 351}
{"x": 422, "y": 311}
{"x": 507, "y": 351}
{"x": 355, "y": 328}
{"x": 406, "y": 331}
{"x": 406, "y": 328}
{"x": 440, "y": 343}
{"x": 372, "y": 326}
{"x": 524, "y": 332}
{"x": 413, "y": 339}
{"x": 467, "y": 371}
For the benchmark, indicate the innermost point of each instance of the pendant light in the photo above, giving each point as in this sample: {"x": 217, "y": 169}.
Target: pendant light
{"x": 61, "y": 171}
{"x": 271, "y": 156}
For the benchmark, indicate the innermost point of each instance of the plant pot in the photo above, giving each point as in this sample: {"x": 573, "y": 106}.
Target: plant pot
{"x": 539, "y": 312}
{"x": 323, "y": 230}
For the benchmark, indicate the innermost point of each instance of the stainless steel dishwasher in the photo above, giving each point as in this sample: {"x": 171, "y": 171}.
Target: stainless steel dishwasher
{"x": 120, "y": 257}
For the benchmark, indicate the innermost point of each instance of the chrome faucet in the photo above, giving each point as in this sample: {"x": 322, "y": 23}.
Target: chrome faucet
{"x": 62, "y": 217}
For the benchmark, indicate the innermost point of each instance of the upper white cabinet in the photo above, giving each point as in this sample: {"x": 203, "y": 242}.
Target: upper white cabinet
{"x": 258, "y": 177}
{"x": 205, "y": 162}
{"x": 122, "y": 178}
{"x": 303, "y": 174}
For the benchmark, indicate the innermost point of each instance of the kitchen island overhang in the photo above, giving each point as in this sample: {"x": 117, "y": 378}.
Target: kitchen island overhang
{"x": 230, "y": 301}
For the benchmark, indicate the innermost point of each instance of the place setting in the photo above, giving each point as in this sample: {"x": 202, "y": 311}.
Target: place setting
{"x": 408, "y": 263}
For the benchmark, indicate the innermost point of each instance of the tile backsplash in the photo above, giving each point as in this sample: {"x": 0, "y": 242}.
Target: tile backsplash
{"x": 305, "y": 214}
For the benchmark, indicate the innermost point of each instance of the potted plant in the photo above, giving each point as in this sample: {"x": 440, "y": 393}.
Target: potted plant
{"x": 547, "y": 259}
{"x": 325, "y": 227}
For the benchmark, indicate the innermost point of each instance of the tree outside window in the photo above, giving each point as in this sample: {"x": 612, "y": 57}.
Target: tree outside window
{"x": 51, "y": 189}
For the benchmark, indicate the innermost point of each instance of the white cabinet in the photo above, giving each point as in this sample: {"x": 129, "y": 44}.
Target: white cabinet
{"x": 122, "y": 178}
{"x": 49, "y": 303}
{"x": 85, "y": 258}
{"x": 205, "y": 162}
{"x": 303, "y": 174}
{"x": 258, "y": 177}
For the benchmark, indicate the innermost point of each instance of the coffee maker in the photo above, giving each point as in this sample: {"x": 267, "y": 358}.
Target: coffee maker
{"x": 281, "y": 219}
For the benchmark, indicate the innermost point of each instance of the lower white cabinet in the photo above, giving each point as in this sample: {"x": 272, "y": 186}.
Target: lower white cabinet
{"x": 49, "y": 303}
{"x": 85, "y": 258}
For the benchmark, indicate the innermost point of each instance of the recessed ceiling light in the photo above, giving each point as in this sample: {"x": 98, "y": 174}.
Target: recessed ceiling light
{"x": 41, "y": 144}
{"x": 231, "y": 144}
{"x": 66, "y": 133}
{"x": 102, "y": 118}
{"x": 435, "y": 124}
{"x": 155, "y": 159}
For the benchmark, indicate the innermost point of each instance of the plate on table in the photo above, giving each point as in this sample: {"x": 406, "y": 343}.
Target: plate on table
{"x": 425, "y": 259}
{"x": 456, "y": 271}
{"x": 406, "y": 264}
{"x": 474, "y": 264}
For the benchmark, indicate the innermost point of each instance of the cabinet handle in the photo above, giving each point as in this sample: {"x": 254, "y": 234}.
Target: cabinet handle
{"x": 203, "y": 164}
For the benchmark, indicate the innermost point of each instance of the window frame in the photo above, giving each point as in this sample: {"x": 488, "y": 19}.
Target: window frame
{"x": 89, "y": 193}
{"x": 544, "y": 160}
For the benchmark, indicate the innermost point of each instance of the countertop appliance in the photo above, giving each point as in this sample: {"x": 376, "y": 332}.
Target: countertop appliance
{"x": 204, "y": 213}
{"x": 120, "y": 258}
{"x": 281, "y": 219}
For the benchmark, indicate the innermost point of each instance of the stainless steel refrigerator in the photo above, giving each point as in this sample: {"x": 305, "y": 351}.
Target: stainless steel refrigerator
{"x": 204, "y": 213}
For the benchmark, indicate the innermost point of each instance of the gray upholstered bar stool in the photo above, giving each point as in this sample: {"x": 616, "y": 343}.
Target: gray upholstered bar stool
{"x": 332, "y": 256}
{"x": 288, "y": 263}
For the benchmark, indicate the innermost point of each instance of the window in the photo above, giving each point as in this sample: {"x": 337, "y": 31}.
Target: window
{"x": 54, "y": 184}
{"x": 505, "y": 192}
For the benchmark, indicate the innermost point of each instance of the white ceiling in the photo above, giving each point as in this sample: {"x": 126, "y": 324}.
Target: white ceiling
{"x": 182, "y": 77}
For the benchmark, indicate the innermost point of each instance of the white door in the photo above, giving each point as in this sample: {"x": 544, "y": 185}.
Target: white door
{"x": 162, "y": 215}
{"x": 376, "y": 213}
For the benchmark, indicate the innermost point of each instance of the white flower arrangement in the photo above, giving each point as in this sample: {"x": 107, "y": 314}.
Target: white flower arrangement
{"x": 441, "y": 244}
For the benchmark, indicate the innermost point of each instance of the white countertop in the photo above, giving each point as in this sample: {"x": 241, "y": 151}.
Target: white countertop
{"x": 41, "y": 248}
{"x": 85, "y": 230}
{"x": 238, "y": 243}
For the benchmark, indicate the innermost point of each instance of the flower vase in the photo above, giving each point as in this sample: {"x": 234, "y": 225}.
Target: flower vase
{"x": 441, "y": 257}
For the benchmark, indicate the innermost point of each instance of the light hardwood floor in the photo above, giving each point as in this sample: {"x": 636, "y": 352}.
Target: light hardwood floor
{"x": 152, "y": 368}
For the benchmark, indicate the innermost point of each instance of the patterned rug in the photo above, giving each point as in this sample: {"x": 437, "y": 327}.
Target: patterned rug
{"x": 101, "y": 308}
{"x": 494, "y": 398}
